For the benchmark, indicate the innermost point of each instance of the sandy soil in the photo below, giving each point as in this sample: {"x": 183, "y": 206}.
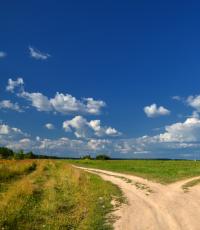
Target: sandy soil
{"x": 154, "y": 206}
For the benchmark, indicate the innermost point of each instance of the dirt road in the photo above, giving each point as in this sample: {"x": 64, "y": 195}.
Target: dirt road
{"x": 154, "y": 206}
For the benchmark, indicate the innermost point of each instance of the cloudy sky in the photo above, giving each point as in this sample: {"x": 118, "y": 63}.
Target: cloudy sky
{"x": 88, "y": 77}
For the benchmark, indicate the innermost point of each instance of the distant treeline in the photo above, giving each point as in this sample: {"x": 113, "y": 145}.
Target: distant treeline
{"x": 98, "y": 157}
{"x": 6, "y": 153}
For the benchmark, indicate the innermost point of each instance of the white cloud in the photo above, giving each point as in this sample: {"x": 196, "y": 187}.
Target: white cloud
{"x": 5, "y": 129}
{"x": 111, "y": 131}
{"x": 62, "y": 146}
{"x": 49, "y": 126}
{"x": 10, "y": 135}
{"x": 93, "y": 137}
{"x": 84, "y": 129}
{"x": 177, "y": 136}
{"x": 19, "y": 83}
{"x": 7, "y": 104}
{"x": 99, "y": 144}
{"x": 62, "y": 103}
{"x": 79, "y": 125}
{"x": 177, "y": 98}
{"x": 66, "y": 104}
{"x": 187, "y": 131}
{"x": 38, "y": 55}
{"x": 154, "y": 111}
{"x": 3, "y": 54}
{"x": 93, "y": 106}
{"x": 38, "y": 100}
{"x": 25, "y": 144}
{"x": 181, "y": 136}
{"x": 194, "y": 101}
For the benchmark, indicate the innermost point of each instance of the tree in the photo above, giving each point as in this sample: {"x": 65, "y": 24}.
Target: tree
{"x": 6, "y": 153}
{"x": 20, "y": 155}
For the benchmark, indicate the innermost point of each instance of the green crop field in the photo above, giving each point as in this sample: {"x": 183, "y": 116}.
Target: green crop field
{"x": 51, "y": 194}
{"x": 163, "y": 171}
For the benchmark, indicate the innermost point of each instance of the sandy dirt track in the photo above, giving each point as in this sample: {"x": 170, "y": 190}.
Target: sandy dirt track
{"x": 154, "y": 206}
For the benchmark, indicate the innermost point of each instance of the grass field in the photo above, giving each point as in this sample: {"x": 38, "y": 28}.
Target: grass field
{"x": 163, "y": 171}
{"x": 51, "y": 194}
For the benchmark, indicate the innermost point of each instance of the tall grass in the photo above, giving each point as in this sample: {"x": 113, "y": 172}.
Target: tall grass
{"x": 13, "y": 168}
{"x": 57, "y": 196}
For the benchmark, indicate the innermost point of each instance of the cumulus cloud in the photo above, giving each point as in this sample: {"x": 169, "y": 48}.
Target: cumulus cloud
{"x": 7, "y": 104}
{"x": 194, "y": 101}
{"x": 3, "y": 54}
{"x": 49, "y": 126}
{"x": 66, "y": 104}
{"x": 177, "y": 136}
{"x": 25, "y": 143}
{"x": 38, "y": 100}
{"x": 92, "y": 106}
{"x": 5, "y": 130}
{"x": 37, "y": 54}
{"x": 10, "y": 135}
{"x": 85, "y": 129}
{"x": 62, "y": 146}
{"x": 154, "y": 111}
{"x": 183, "y": 136}
{"x": 92, "y": 136}
{"x": 12, "y": 84}
{"x": 61, "y": 103}
{"x": 187, "y": 131}
{"x": 99, "y": 145}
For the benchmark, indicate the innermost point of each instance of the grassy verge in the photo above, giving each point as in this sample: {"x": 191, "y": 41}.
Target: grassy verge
{"x": 189, "y": 184}
{"x": 57, "y": 196}
{"x": 162, "y": 171}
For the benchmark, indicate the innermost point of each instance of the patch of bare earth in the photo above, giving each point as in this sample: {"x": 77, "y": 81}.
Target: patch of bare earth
{"x": 154, "y": 206}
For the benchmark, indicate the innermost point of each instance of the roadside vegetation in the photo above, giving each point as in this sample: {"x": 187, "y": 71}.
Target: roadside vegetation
{"x": 190, "y": 184}
{"x": 163, "y": 171}
{"x": 51, "y": 194}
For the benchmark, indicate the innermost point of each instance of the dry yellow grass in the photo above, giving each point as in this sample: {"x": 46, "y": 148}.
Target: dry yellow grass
{"x": 54, "y": 196}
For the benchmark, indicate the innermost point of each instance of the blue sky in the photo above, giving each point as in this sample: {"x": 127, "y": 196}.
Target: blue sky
{"x": 100, "y": 77}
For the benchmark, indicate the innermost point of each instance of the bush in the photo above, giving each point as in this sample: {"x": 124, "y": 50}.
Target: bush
{"x": 102, "y": 157}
